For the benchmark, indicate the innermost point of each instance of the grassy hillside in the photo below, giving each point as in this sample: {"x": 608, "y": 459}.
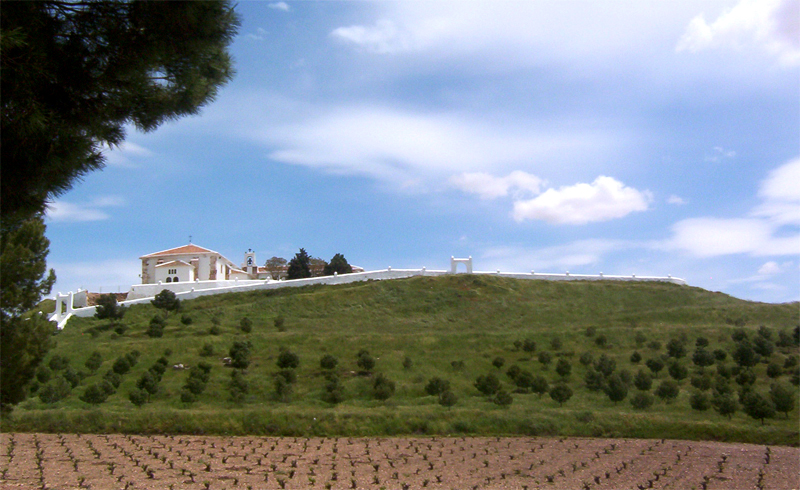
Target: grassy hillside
{"x": 416, "y": 329}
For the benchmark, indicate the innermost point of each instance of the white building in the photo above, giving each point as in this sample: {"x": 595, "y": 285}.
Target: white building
{"x": 187, "y": 263}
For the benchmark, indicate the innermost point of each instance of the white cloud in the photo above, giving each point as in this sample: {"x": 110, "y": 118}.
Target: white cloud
{"x": 404, "y": 146}
{"x": 772, "y": 24}
{"x": 604, "y": 199}
{"x": 710, "y": 237}
{"x": 720, "y": 154}
{"x": 488, "y": 186}
{"x": 770, "y": 268}
{"x": 382, "y": 38}
{"x": 770, "y": 229}
{"x": 63, "y": 211}
{"x": 96, "y": 276}
{"x": 279, "y": 6}
{"x": 782, "y": 183}
{"x": 125, "y": 154}
{"x": 676, "y": 200}
{"x": 581, "y": 253}
{"x": 259, "y": 35}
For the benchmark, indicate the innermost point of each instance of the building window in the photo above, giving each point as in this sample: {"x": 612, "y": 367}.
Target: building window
{"x": 172, "y": 271}
{"x": 169, "y": 279}
{"x": 175, "y": 279}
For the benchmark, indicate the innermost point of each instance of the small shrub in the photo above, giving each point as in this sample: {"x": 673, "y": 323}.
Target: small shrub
{"x": 678, "y": 371}
{"x": 383, "y": 388}
{"x": 503, "y": 398}
{"x": 642, "y": 401}
{"x": 122, "y": 365}
{"x": 166, "y": 300}
{"x": 782, "y": 397}
{"x": 642, "y": 381}
{"x": 288, "y": 360}
{"x": 702, "y": 382}
{"x": 156, "y": 328}
{"x": 94, "y": 362}
{"x": 528, "y": 345}
{"x": 364, "y": 361}
{"x": 545, "y": 358}
{"x": 654, "y": 365}
{"x": 668, "y": 390}
{"x": 561, "y": 393}
{"x": 725, "y": 404}
{"x": 246, "y": 325}
{"x": 758, "y": 406}
{"x": 95, "y": 394}
{"x": 57, "y": 363}
{"x": 437, "y": 386}
{"x": 280, "y": 323}
{"x": 120, "y": 329}
{"x": 186, "y": 319}
{"x": 108, "y": 308}
{"x": 240, "y": 354}
{"x": 138, "y": 397}
{"x": 207, "y": 350}
{"x": 586, "y": 358}
{"x": 498, "y": 362}
{"x": 488, "y": 384}
{"x": 601, "y": 340}
{"x": 328, "y": 362}
{"x": 556, "y": 343}
{"x": 214, "y": 330}
{"x": 636, "y": 358}
{"x": 676, "y": 349}
{"x": 55, "y": 390}
{"x": 447, "y": 399}
{"x": 701, "y": 342}
{"x": 539, "y": 385}
{"x": 563, "y": 368}
{"x": 238, "y": 387}
{"x": 774, "y": 370}
{"x": 720, "y": 355}
{"x": 457, "y": 365}
{"x": 407, "y": 363}
{"x": 654, "y": 345}
{"x": 283, "y": 389}
{"x": 699, "y": 401}
{"x": 605, "y": 365}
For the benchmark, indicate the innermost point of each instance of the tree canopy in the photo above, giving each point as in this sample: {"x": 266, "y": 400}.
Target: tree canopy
{"x": 338, "y": 264}
{"x": 299, "y": 266}
{"x": 75, "y": 73}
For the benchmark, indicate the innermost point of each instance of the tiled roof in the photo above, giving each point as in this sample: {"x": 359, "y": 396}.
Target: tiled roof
{"x": 174, "y": 262}
{"x": 186, "y": 249}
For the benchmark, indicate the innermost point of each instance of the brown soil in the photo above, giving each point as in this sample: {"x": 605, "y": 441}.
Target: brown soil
{"x": 71, "y": 461}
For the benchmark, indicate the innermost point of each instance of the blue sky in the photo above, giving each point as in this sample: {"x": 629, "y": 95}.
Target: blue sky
{"x": 630, "y": 137}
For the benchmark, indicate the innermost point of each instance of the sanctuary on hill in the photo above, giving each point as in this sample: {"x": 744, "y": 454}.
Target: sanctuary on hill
{"x": 193, "y": 263}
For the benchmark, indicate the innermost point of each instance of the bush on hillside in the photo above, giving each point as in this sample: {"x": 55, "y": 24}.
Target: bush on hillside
{"x": 108, "y": 308}
{"x": 437, "y": 386}
{"x": 166, "y": 300}
{"x": 383, "y": 388}
{"x": 488, "y": 384}
{"x": 328, "y": 362}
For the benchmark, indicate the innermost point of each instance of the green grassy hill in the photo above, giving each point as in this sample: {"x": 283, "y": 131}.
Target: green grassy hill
{"x": 450, "y": 327}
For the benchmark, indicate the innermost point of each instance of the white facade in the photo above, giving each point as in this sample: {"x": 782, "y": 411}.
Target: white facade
{"x": 201, "y": 264}
{"x": 175, "y": 271}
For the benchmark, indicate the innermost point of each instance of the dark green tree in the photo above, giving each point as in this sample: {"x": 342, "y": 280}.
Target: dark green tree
{"x": 699, "y": 401}
{"x": 545, "y": 358}
{"x": 782, "y": 397}
{"x": 605, "y": 365}
{"x": 299, "y": 266}
{"x": 240, "y": 354}
{"x": 654, "y": 365}
{"x": 642, "y": 400}
{"x": 328, "y": 362}
{"x": 668, "y": 390}
{"x": 676, "y": 349}
{"x": 758, "y": 406}
{"x": 334, "y": 390}
{"x": 498, "y": 362}
{"x": 138, "y": 397}
{"x": 561, "y": 393}
{"x": 488, "y": 384}
{"x": 95, "y": 394}
{"x": 76, "y": 73}
{"x": 616, "y": 389}
{"x": 523, "y": 380}
{"x": 724, "y": 403}
{"x": 108, "y": 308}
{"x": 642, "y": 381}
{"x": 563, "y": 368}
{"x": 437, "y": 386}
{"x": 288, "y": 359}
{"x": 364, "y": 361}
{"x": 246, "y": 325}
{"x": 744, "y": 355}
{"x": 383, "y": 388}
{"x": 54, "y": 391}
{"x": 338, "y": 264}
{"x": 703, "y": 358}
{"x": 24, "y": 338}
{"x": 94, "y": 362}
{"x": 447, "y": 399}
{"x": 539, "y": 385}
{"x": 677, "y": 371}
{"x": 166, "y": 300}
{"x": 503, "y": 398}
{"x": 238, "y": 387}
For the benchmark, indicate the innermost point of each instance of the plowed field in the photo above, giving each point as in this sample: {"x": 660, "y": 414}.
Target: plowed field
{"x": 71, "y": 461}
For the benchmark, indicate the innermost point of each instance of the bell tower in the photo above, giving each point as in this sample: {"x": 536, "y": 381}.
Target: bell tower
{"x": 250, "y": 265}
